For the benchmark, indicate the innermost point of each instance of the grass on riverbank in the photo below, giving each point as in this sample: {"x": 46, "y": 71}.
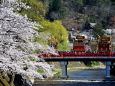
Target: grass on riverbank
{"x": 57, "y": 75}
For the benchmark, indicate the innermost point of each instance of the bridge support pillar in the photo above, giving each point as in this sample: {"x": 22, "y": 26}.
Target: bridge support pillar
{"x": 108, "y": 64}
{"x": 64, "y": 69}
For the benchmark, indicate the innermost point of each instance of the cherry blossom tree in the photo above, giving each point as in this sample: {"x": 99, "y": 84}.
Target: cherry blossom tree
{"x": 17, "y": 34}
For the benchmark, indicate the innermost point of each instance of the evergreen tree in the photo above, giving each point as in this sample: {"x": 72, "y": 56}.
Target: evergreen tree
{"x": 55, "y": 5}
{"x": 79, "y": 4}
{"x": 98, "y": 30}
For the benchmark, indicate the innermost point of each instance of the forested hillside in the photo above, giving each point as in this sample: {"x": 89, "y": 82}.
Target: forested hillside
{"x": 81, "y": 10}
{"x": 58, "y": 16}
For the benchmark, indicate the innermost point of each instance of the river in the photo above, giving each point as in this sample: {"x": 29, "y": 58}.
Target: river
{"x": 88, "y": 74}
{"x": 95, "y": 76}
{"x": 83, "y": 84}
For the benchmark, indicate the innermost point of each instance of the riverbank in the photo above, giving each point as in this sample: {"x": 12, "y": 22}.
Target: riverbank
{"x": 82, "y": 67}
{"x": 79, "y": 67}
{"x": 62, "y": 81}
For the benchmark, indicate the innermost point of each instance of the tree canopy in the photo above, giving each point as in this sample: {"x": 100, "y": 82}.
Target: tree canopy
{"x": 37, "y": 13}
{"x": 16, "y": 43}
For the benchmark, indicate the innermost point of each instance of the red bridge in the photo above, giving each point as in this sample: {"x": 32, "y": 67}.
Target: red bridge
{"x": 64, "y": 57}
{"x": 75, "y": 56}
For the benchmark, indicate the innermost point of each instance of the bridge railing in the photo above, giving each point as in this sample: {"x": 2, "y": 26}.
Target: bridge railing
{"x": 80, "y": 54}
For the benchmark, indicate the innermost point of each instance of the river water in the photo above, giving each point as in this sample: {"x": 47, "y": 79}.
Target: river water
{"x": 83, "y": 84}
{"x": 92, "y": 74}
{"x": 89, "y": 74}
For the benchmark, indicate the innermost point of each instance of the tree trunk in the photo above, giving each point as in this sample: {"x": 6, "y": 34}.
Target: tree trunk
{"x": 12, "y": 80}
{"x": 1, "y": 84}
{"x": 6, "y": 77}
{"x": 4, "y": 81}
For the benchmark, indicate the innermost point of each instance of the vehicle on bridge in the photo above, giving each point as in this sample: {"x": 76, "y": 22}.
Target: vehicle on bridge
{"x": 104, "y": 44}
{"x": 79, "y": 44}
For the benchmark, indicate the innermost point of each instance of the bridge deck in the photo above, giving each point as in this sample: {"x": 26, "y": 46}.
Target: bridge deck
{"x": 69, "y": 56}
